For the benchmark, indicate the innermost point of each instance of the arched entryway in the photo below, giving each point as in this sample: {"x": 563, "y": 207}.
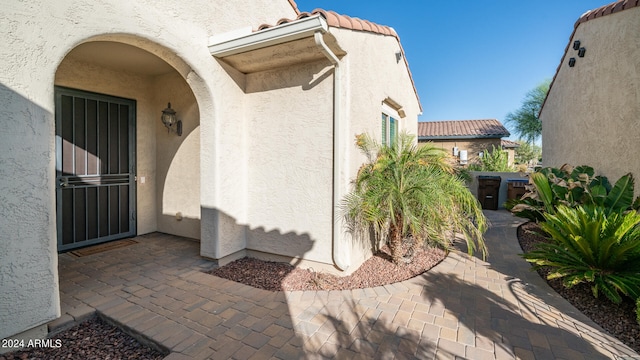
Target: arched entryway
{"x": 120, "y": 171}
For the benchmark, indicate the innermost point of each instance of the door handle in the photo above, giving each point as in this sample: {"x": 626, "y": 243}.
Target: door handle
{"x": 64, "y": 182}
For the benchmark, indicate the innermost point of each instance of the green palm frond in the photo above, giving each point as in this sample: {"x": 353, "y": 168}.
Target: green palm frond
{"x": 413, "y": 190}
{"x": 592, "y": 245}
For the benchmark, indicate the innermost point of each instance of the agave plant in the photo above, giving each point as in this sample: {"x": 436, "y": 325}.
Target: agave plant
{"x": 592, "y": 245}
{"x": 408, "y": 190}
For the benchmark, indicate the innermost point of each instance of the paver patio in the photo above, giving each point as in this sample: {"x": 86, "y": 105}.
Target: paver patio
{"x": 463, "y": 308}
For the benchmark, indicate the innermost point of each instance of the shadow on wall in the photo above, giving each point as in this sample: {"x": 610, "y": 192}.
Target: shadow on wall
{"x": 306, "y": 76}
{"x": 237, "y": 241}
{"x": 27, "y": 213}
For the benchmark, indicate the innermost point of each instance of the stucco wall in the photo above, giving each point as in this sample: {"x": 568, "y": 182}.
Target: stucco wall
{"x": 37, "y": 35}
{"x": 177, "y": 159}
{"x": 591, "y": 114}
{"x": 371, "y": 74}
{"x": 289, "y": 148}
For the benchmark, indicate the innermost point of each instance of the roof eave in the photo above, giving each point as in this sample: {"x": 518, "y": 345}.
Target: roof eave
{"x": 462, "y": 137}
{"x": 228, "y": 44}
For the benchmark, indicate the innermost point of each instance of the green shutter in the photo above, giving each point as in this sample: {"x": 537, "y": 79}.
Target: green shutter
{"x": 392, "y": 130}
{"x": 384, "y": 129}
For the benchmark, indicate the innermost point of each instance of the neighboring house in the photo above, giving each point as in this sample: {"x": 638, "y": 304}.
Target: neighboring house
{"x": 464, "y": 139}
{"x": 592, "y": 111}
{"x": 510, "y": 147}
{"x": 269, "y": 115}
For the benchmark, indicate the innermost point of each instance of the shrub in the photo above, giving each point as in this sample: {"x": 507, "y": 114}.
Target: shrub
{"x": 638, "y": 310}
{"x": 591, "y": 245}
{"x": 572, "y": 187}
{"x": 494, "y": 160}
{"x": 408, "y": 190}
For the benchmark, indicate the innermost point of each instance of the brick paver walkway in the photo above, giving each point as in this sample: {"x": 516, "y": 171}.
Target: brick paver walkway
{"x": 463, "y": 308}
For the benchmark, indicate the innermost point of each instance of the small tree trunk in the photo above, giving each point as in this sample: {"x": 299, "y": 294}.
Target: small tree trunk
{"x": 395, "y": 243}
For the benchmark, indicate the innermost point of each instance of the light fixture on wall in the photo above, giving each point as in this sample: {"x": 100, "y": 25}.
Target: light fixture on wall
{"x": 170, "y": 120}
{"x": 398, "y": 56}
{"x": 581, "y": 51}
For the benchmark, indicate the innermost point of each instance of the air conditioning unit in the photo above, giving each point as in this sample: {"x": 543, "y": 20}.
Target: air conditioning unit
{"x": 463, "y": 157}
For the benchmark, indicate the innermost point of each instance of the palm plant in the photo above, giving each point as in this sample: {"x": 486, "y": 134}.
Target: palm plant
{"x": 593, "y": 245}
{"x": 406, "y": 190}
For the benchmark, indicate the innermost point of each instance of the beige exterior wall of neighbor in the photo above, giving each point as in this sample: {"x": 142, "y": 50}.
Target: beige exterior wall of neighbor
{"x": 592, "y": 111}
{"x": 38, "y": 35}
{"x": 473, "y": 146}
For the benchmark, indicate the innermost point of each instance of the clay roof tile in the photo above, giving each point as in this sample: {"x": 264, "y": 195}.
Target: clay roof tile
{"x": 487, "y": 128}
{"x": 357, "y": 24}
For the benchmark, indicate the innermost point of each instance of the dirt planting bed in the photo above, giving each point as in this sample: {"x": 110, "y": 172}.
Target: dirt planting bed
{"x": 93, "y": 339}
{"x": 376, "y": 271}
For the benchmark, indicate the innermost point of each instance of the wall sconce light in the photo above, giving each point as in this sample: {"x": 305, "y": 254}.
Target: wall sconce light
{"x": 398, "y": 56}
{"x": 582, "y": 51}
{"x": 170, "y": 120}
{"x": 576, "y": 45}
{"x": 572, "y": 62}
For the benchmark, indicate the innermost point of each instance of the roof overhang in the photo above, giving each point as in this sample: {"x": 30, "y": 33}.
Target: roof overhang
{"x": 460, "y": 137}
{"x": 278, "y": 46}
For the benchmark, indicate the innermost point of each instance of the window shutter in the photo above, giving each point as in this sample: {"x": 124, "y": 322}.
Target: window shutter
{"x": 392, "y": 130}
{"x": 384, "y": 129}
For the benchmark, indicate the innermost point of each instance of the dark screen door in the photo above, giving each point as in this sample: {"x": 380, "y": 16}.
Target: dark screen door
{"x": 95, "y": 168}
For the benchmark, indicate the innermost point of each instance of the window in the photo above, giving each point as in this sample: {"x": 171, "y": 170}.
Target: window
{"x": 389, "y": 125}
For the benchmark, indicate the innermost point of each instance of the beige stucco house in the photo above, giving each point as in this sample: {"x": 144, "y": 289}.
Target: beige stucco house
{"x": 592, "y": 111}
{"x": 269, "y": 115}
{"x": 464, "y": 139}
{"x": 510, "y": 147}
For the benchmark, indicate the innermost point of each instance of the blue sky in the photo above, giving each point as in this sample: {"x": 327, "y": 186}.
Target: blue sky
{"x": 473, "y": 59}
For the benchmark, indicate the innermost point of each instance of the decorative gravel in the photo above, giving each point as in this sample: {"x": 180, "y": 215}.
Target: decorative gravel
{"x": 617, "y": 319}
{"x": 376, "y": 271}
{"x": 91, "y": 339}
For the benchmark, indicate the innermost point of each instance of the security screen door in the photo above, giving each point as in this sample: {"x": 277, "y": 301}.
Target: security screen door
{"x": 95, "y": 168}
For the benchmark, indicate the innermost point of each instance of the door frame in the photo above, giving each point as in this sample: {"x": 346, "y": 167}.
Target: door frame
{"x": 59, "y": 91}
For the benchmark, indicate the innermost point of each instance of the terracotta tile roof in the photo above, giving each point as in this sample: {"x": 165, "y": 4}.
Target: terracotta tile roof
{"x": 352, "y": 23}
{"x": 461, "y": 129}
{"x": 339, "y": 21}
{"x": 509, "y": 144}
{"x": 590, "y": 15}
